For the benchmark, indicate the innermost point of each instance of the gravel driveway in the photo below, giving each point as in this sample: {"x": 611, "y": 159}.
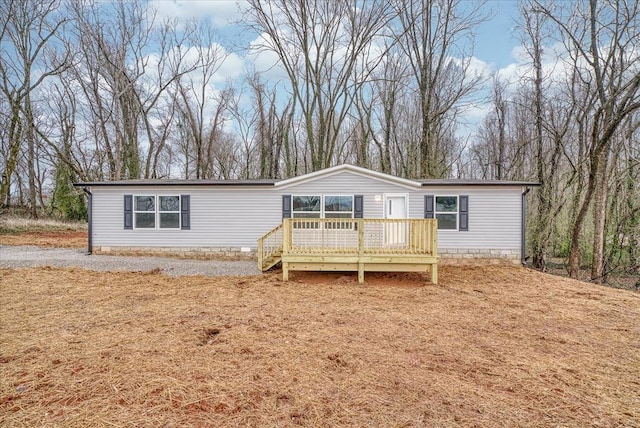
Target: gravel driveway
{"x": 16, "y": 257}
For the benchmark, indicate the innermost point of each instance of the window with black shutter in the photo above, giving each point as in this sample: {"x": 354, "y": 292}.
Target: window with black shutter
{"x": 149, "y": 211}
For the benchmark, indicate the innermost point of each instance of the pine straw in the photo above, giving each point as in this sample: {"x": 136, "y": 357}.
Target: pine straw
{"x": 489, "y": 346}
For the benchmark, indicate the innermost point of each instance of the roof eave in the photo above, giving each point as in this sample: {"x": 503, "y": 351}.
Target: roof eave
{"x": 480, "y": 183}
{"x": 351, "y": 168}
{"x": 152, "y": 184}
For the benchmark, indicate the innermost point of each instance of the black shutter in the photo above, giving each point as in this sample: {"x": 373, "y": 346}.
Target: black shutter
{"x": 128, "y": 211}
{"x": 286, "y": 206}
{"x": 428, "y": 206}
{"x": 185, "y": 212}
{"x": 463, "y": 211}
{"x": 358, "y": 206}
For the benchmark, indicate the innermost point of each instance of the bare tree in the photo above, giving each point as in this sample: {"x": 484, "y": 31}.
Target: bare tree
{"x": 437, "y": 38}
{"x": 491, "y": 153}
{"x": 602, "y": 39}
{"x": 203, "y": 122}
{"x": 126, "y": 65}
{"x": 389, "y": 90}
{"x": 552, "y": 119}
{"x": 325, "y": 48}
{"x": 196, "y": 101}
{"x": 271, "y": 123}
{"x": 28, "y": 29}
{"x": 623, "y": 212}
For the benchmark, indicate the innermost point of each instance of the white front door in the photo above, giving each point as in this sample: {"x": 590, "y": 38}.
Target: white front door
{"x": 395, "y": 208}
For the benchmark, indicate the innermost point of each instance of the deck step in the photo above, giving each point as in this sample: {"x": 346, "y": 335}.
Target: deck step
{"x": 270, "y": 262}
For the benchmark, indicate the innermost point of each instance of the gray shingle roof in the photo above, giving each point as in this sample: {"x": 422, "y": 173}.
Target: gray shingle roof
{"x": 179, "y": 182}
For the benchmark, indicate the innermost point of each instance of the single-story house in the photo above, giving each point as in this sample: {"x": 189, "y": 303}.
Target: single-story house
{"x": 476, "y": 218}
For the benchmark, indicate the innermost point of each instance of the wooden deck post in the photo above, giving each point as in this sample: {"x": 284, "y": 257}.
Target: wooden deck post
{"x": 260, "y": 252}
{"x": 434, "y": 237}
{"x": 360, "y": 251}
{"x": 434, "y": 250}
{"x": 286, "y": 246}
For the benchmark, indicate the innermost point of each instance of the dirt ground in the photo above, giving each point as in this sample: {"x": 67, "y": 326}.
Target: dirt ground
{"x": 57, "y": 239}
{"x": 74, "y": 238}
{"x": 488, "y": 346}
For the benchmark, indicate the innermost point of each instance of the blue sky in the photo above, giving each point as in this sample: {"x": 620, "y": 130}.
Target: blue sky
{"x": 496, "y": 45}
{"x": 496, "y": 38}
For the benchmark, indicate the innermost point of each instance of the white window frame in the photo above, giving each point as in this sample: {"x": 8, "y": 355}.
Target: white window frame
{"x": 293, "y": 212}
{"x": 135, "y": 211}
{"x": 322, "y": 210}
{"x": 456, "y": 212}
{"x": 347, "y": 224}
{"x": 157, "y": 212}
{"x": 353, "y": 208}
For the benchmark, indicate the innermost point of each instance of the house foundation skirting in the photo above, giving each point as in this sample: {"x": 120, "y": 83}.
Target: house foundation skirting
{"x": 201, "y": 253}
{"x": 475, "y": 256}
{"x": 446, "y": 256}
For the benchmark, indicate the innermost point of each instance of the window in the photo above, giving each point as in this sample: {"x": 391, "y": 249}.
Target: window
{"x": 447, "y": 212}
{"x": 169, "y": 212}
{"x": 338, "y": 207}
{"x": 144, "y": 212}
{"x": 323, "y": 207}
{"x": 306, "y": 207}
{"x": 163, "y": 211}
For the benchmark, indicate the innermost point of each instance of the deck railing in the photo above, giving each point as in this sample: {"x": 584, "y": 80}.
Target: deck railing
{"x": 359, "y": 236}
{"x": 270, "y": 246}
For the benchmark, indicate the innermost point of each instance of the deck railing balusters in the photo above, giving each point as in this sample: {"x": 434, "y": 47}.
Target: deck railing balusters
{"x": 379, "y": 236}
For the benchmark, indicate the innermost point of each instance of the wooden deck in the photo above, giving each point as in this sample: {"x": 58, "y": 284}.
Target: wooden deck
{"x": 373, "y": 245}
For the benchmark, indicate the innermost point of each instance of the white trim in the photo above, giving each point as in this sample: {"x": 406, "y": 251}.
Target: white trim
{"x": 348, "y": 168}
{"x": 156, "y": 212}
{"x": 159, "y": 211}
{"x": 456, "y": 212}
{"x": 353, "y": 207}
{"x": 307, "y": 195}
{"x": 395, "y": 195}
{"x": 322, "y": 202}
{"x": 134, "y": 211}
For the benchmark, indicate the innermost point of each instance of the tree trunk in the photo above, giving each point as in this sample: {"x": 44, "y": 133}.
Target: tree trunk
{"x": 599, "y": 217}
{"x": 31, "y": 156}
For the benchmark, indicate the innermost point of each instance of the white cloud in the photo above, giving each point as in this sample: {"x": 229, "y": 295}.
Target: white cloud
{"x": 222, "y": 13}
{"x": 263, "y": 60}
{"x": 231, "y": 69}
{"x": 554, "y": 65}
{"x": 479, "y": 67}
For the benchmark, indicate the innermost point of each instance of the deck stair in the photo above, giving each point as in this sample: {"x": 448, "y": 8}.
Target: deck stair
{"x": 374, "y": 245}
{"x": 270, "y": 249}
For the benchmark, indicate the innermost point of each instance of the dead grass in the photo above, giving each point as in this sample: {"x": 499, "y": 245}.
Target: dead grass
{"x": 53, "y": 239}
{"x": 18, "y": 230}
{"x": 489, "y": 346}
{"x": 12, "y": 223}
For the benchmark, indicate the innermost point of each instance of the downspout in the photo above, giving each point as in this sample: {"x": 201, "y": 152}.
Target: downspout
{"x": 523, "y": 230}
{"x": 90, "y": 213}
